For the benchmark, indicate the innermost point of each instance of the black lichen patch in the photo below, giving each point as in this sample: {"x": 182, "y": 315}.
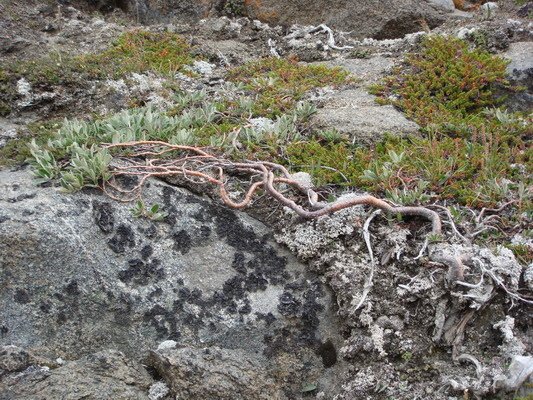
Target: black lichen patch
{"x": 197, "y": 320}
{"x": 142, "y": 273}
{"x": 255, "y": 281}
{"x": 103, "y": 216}
{"x": 182, "y": 242}
{"x": 155, "y": 293}
{"x": 205, "y": 232}
{"x": 149, "y": 232}
{"x": 256, "y": 262}
{"x": 238, "y": 263}
{"x": 21, "y": 296}
{"x": 246, "y": 308}
{"x": 299, "y": 303}
{"x": 3, "y": 331}
{"x": 61, "y": 317}
{"x": 168, "y": 194}
{"x": 164, "y": 322}
{"x": 230, "y": 227}
{"x": 190, "y": 296}
{"x": 266, "y": 259}
{"x": 268, "y": 318}
{"x": 4, "y": 218}
{"x": 127, "y": 182}
{"x": 328, "y": 353}
{"x": 202, "y": 216}
{"x": 288, "y": 305}
{"x": 72, "y": 289}
{"x": 22, "y": 197}
{"x": 45, "y": 307}
{"x": 146, "y": 252}
{"x": 124, "y": 238}
{"x": 232, "y": 289}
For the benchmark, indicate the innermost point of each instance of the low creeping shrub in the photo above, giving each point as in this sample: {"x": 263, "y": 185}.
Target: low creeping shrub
{"x": 280, "y": 83}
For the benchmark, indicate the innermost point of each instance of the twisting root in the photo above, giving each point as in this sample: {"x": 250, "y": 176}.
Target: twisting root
{"x": 197, "y": 165}
{"x": 370, "y": 280}
{"x": 331, "y": 38}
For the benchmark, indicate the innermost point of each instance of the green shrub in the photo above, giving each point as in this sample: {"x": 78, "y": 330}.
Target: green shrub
{"x": 471, "y": 152}
{"x": 140, "y": 51}
{"x": 445, "y": 82}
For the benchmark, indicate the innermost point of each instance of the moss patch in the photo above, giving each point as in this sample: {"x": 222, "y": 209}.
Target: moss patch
{"x": 142, "y": 51}
{"x": 136, "y": 51}
{"x": 16, "y": 151}
{"x": 280, "y": 83}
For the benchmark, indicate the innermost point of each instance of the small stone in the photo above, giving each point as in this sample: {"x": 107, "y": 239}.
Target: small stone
{"x": 304, "y": 179}
{"x": 202, "y": 67}
{"x": 489, "y": 9}
{"x": 167, "y": 344}
{"x": 158, "y": 391}
{"x": 465, "y": 32}
{"x": 444, "y": 5}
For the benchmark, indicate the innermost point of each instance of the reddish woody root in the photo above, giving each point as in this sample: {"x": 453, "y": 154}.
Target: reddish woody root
{"x": 145, "y": 160}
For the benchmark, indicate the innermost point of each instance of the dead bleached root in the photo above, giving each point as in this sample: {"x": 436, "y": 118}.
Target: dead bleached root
{"x": 322, "y": 28}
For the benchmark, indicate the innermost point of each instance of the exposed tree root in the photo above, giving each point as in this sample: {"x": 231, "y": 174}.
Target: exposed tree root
{"x": 146, "y": 159}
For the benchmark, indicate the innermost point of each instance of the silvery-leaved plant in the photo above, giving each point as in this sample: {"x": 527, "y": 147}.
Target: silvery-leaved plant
{"x": 43, "y": 162}
{"x": 88, "y": 167}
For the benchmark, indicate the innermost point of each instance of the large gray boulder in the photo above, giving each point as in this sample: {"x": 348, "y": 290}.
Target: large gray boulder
{"x": 79, "y": 274}
{"x": 380, "y": 19}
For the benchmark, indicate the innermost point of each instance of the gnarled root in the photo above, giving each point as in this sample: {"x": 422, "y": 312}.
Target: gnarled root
{"x": 199, "y": 166}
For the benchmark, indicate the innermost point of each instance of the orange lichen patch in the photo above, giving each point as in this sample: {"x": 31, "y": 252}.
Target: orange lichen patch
{"x": 259, "y": 11}
{"x": 461, "y": 5}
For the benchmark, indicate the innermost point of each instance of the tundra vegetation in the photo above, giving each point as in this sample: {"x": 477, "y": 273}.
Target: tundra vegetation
{"x": 469, "y": 166}
{"x": 471, "y": 152}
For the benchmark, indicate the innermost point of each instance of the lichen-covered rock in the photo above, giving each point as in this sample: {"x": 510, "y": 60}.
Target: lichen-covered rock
{"x": 80, "y": 274}
{"x": 520, "y": 70}
{"x": 400, "y": 308}
{"x": 100, "y": 376}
